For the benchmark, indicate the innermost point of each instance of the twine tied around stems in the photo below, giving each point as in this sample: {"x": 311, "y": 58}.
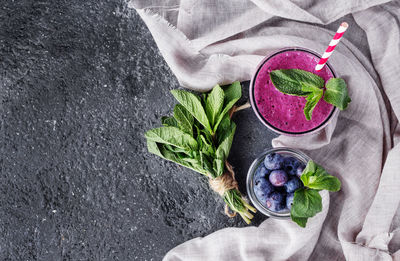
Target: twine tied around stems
{"x": 224, "y": 183}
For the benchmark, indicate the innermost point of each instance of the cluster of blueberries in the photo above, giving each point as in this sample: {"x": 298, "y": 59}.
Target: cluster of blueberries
{"x": 276, "y": 180}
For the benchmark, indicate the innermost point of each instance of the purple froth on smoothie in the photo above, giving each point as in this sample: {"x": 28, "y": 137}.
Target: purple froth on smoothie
{"x": 285, "y": 112}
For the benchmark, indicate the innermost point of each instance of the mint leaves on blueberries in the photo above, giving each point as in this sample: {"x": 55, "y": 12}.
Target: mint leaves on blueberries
{"x": 284, "y": 183}
{"x": 315, "y": 177}
{"x": 298, "y": 82}
{"x": 199, "y": 136}
{"x": 307, "y": 202}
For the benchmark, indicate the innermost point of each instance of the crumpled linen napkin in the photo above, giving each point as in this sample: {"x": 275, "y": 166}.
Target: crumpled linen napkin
{"x": 208, "y": 42}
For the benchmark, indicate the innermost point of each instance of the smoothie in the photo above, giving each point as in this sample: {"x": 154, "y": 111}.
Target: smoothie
{"x": 282, "y": 112}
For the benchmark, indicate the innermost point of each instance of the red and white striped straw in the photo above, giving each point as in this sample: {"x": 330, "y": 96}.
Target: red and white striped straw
{"x": 336, "y": 39}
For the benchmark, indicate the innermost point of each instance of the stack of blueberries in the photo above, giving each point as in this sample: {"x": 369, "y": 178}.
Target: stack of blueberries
{"x": 276, "y": 180}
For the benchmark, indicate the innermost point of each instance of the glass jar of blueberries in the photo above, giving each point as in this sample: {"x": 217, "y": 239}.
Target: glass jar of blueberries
{"x": 272, "y": 179}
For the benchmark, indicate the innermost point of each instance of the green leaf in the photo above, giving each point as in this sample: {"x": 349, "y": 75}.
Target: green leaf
{"x": 172, "y": 136}
{"x": 205, "y": 162}
{"x": 301, "y": 221}
{"x": 223, "y": 128}
{"x": 306, "y": 203}
{"x": 188, "y": 163}
{"x": 214, "y": 103}
{"x": 184, "y": 118}
{"x": 169, "y": 121}
{"x": 176, "y": 149}
{"x": 164, "y": 153}
{"x": 336, "y": 93}
{"x": 192, "y": 103}
{"x": 232, "y": 94}
{"x": 153, "y": 148}
{"x": 218, "y": 166}
{"x": 207, "y": 148}
{"x": 296, "y": 82}
{"x": 310, "y": 167}
{"x": 225, "y": 146}
{"x": 312, "y": 101}
{"x": 314, "y": 176}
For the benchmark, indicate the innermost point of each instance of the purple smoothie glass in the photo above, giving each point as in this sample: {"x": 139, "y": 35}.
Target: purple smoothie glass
{"x": 283, "y": 113}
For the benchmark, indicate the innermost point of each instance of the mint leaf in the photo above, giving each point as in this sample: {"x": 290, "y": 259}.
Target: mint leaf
{"x": 232, "y": 94}
{"x": 153, "y": 148}
{"x": 223, "y": 128}
{"x": 161, "y": 151}
{"x": 172, "y": 136}
{"x": 310, "y": 167}
{"x": 296, "y": 82}
{"x": 192, "y": 103}
{"x": 176, "y": 149}
{"x": 184, "y": 118}
{"x": 206, "y": 164}
{"x": 306, "y": 203}
{"x": 225, "y": 146}
{"x": 314, "y": 176}
{"x": 336, "y": 93}
{"x": 218, "y": 165}
{"x": 214, "y": 103}
{"x": 188, "y": 163}
{"x": 301, "y": 221}
{"x": 169, "y": 121}
{"x": 312, "y": 100}
{"x": 206, "y": 147}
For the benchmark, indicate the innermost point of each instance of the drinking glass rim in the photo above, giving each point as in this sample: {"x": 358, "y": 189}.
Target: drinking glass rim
{"x": 333, "y": 113}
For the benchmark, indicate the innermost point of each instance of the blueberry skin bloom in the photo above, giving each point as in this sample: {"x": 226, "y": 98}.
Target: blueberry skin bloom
{"x": 262, "y": 189}
{"x": 278, "y": 178}
{"x": 293, "y": 184}
{"x": 261, "y": 172}
{"x": 273, "y": 161}
{"x": 299, "y": 170}
{"x": 276, "y": 201}
{"x": 289, "y": 200}
{"x": 290, "y": 165}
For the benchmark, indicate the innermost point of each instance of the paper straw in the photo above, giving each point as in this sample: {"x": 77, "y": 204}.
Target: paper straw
{"x": 336, "y": 39}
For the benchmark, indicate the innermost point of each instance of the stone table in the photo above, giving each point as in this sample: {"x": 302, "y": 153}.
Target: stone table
{"x": 81, "y": 81}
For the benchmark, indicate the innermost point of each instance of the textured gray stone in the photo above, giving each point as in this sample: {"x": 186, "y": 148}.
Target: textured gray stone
{"x": 81, "y": 81}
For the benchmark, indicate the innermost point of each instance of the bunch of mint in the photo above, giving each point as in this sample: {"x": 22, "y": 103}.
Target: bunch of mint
{"x": 307, "y": 201}
{"x": 298, "y": 82}
{"x": 199, "y": 136}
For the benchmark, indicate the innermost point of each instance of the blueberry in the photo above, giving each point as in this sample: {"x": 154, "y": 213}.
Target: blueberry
{"x": 278, "y": 178}
{"x": 290, "y": 165}
{"x": 273, "y": 161}
{"x": 262, "y": 189}
{"x": 299, "y": 170}
{"x": 293, "y": 184}
{"x": 276, "y": 201}
{"x": 289, "y": 200}
{"x": 261, "y": 172}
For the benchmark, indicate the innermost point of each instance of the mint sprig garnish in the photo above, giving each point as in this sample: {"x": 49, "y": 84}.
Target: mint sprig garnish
{"x": 296, "y": 82}
{"x": 307, "y": 202}
{"x": 336, "y": 93}
{"x": 306, "y": 84}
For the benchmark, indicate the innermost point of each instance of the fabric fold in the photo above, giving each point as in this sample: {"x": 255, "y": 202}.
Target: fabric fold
{"x": 210, "y": 42}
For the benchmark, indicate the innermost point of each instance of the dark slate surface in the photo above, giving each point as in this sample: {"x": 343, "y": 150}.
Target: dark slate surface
{"x": 80, "y": 83}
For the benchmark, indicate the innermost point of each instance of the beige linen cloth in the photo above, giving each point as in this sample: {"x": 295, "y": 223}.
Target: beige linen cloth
{"x": 220, "y": 41}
